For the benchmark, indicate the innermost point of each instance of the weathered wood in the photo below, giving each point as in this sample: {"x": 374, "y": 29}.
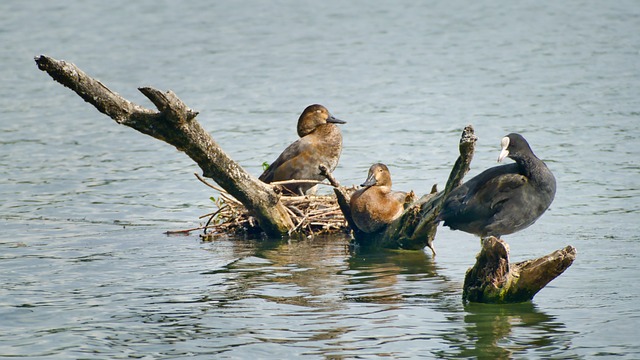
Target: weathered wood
{"x": 416, "y": 228}
{"x": 175, "y": 124}
{"x": 494, "y": 280}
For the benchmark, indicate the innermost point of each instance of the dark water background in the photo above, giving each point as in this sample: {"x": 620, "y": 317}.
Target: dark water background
{"x": 86, "y": 272}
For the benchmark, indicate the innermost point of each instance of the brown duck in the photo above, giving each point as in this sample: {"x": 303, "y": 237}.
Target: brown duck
{"x": 320, "y": 143}
{"x": 375, "y": 205}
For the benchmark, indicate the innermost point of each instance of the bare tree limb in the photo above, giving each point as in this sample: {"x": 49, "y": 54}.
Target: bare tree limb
{"x": 175, "y": 124}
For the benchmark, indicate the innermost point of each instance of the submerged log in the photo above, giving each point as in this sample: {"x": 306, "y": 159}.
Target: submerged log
{"x": 416, "y": 228}
{"x": 175, "y": 124}
{"x": 494, "y": 280}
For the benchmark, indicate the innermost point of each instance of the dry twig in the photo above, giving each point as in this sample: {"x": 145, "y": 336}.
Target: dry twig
{"x": 311, "y": 214}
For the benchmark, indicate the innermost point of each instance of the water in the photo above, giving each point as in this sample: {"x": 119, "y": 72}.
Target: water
{"x": 86, "y": 271}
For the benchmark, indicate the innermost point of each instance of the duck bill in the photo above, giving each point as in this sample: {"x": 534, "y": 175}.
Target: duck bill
{"x": 371, "y": 180}
{"x": 503, "y": 154}
{"x": 334, "y": 120}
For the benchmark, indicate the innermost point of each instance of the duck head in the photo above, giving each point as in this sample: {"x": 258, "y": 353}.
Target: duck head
{"x": 314, "y": 116}
{"x": 379, "y": 175}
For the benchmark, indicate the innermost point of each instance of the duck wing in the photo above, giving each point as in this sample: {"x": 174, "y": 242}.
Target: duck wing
{"x": 288, "y": 165}
{"x": 399, "y": 196}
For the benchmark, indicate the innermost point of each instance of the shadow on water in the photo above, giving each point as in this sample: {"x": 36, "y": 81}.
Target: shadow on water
{"x": 490, "y": 331}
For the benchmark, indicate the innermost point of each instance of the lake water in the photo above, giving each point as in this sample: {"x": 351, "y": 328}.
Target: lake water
{"x": 86, "y": 272}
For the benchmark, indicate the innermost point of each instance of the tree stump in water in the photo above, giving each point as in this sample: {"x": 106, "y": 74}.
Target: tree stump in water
{"x": 494, "y": 280}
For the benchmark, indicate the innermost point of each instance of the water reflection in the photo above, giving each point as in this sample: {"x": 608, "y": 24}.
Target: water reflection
{"x": 295, "y": 272}
{"x": 373, "y": 276}
{"x": 321, "y": 295}
{"x": 326, "y": 270}
{"x": 505, "y": 331}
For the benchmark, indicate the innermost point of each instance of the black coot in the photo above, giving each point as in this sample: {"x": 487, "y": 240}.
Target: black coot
{"x": 503, "y": 199}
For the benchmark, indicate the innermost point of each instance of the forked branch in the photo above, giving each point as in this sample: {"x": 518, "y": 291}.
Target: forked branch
{"x": 175, "y": 124}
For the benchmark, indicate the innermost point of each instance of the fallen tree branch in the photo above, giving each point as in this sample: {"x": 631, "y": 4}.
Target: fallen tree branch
{"x": 175, "y": 124}
{"x": 324, "y": 171}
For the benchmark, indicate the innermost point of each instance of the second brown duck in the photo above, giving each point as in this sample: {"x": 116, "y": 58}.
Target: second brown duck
{"x": 375, "y": 205}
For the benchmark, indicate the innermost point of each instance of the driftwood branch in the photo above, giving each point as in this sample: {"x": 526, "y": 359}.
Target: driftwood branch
{"x": 416, "y": 228}
{"x": 175, "y": 124}
{"x": 494, "y": 280}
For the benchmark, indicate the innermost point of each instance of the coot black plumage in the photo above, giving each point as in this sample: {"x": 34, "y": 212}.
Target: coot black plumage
{"x": 503, "y": 199}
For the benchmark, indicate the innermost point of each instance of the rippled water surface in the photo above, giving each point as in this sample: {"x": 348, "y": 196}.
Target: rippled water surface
{"x": 86, "y": 272}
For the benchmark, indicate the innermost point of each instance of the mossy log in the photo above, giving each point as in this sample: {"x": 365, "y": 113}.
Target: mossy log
{"x": 416, "y": 228}
{"x": 175, "y": 124}
{"x": 494, "y": 280}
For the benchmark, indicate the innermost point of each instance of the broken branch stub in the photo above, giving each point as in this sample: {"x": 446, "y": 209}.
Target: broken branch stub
{"x": 494, "y": 280}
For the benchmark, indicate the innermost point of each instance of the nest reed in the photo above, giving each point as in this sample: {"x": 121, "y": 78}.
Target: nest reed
{"x": 311, "y": 215}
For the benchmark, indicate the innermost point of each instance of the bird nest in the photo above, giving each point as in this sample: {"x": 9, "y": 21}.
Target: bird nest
{"x": 311, "y": 215}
